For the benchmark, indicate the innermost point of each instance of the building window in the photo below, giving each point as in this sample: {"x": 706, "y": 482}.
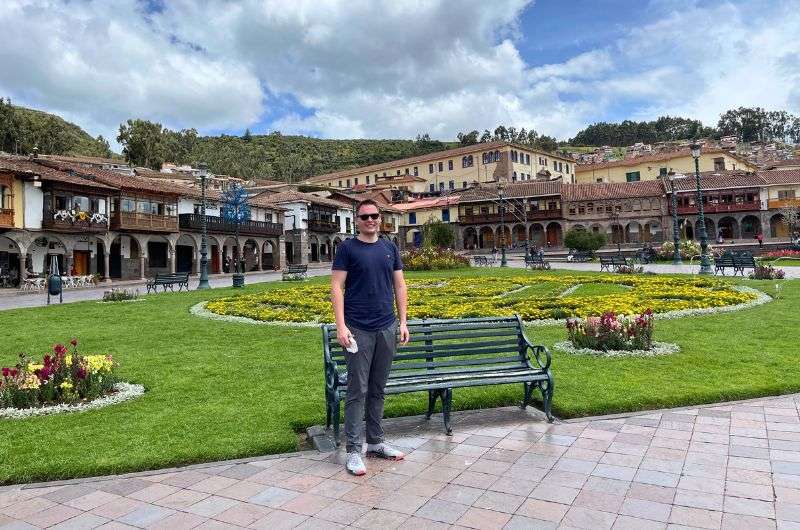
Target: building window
{"x": 416, "y": 171}
{"x": 450, "y": 165}
{"x": 561, "y": 166}
{"x": 430, "y": 168}
{"x": 514, "y": 177}
{"x": 572, "y": 210}
{"x": 555, "y": 165}
{"x": 441, "y": 166}
{"x": 441, "y": 186}
{"x": 567, "y": 167}
{"x": 446, "y": 215}
{"x": 590, "y": 207}
{"x": 464, "y": 184}
{"x": 367, "y": 179}
{"x": 398, "y": 172}
{"x": 348, "y": 183}
{"x": 662, "y": 172}
{"x": 384, "y": 174}
{"x": 433, "y": 188}
{"x": 463, "y": 161}
{"x": 356, "y": 181}
{"x": 598, "y": 180}
{"x": 719, "y": 164}
{"x": 497, "y": 156}
{"x": 581, "y": 209}
{"x": 452, "y": 184}
{"x": 407, "y": 172}
{"x": 513, "y": 156}
{"x": 412, "y": 218}
{"x": 340, "y": 183}
{"x": 633, "y": 176}
{"x": 786, "y": 194}
{"x": 528, "y": 159}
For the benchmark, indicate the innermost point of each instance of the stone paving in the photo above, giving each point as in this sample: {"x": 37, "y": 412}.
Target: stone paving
{"x": 733, "y": 465}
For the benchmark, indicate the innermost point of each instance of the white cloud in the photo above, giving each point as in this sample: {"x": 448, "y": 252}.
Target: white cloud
{"x": 387, "y": 69}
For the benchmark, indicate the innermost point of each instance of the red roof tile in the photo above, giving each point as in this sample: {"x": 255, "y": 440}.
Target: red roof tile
{"x": 533, "y": 188}
{"x": 717, "y": 180}
{"x": 785, "y": 176}
{"x": 617, "y": 190}
{"x": 23, "y": 165}
{"x": 112, "y": 178}
{"x": 271, "y": 199}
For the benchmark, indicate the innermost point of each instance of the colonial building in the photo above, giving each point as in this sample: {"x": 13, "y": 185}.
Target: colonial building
{"x": 516, "y": 213}
{"x": 658, "y": 165}
{"x": 781, "y": 194}
{"x": 628, "y": 212}
{"x": 456, "y": 169}
{"x": 391, "y": 217}
{"x": 416, "y": 212}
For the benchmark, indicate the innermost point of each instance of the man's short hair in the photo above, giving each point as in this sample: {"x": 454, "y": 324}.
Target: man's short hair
{"x": 367, "y": 202}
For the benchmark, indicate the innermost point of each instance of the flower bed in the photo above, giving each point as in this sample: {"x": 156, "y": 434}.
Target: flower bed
{"x": 433, "y": 259}
{"x": 612, "y": 332}
{"x": 782, "y": 254}
{"x": 767, "y": 272}
{"x": 457, "y": 297}
{"x": 62, "y": 377}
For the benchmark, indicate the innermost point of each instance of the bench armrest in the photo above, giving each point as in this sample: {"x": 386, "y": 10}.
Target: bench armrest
{"x": 538, "y": 353}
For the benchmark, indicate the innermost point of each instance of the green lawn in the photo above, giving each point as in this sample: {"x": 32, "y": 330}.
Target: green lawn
{"x": 218, "y": 390}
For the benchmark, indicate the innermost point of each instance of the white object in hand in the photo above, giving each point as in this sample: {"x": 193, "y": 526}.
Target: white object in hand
{"x": 352, "y": 347}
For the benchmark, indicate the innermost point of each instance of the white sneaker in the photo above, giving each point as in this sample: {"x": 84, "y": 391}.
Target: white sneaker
{"x": 385, "y": 451}
{"x": 355, "y": 465}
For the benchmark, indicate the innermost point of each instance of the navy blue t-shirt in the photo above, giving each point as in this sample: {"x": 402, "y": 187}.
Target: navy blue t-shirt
{"x": 369, "y": 286}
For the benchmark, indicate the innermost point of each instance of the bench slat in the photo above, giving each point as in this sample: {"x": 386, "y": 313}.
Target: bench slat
{"x": 459, "y": 362}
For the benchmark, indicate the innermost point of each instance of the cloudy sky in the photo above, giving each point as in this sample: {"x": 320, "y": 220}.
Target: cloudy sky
{"x": 394, "y": 69}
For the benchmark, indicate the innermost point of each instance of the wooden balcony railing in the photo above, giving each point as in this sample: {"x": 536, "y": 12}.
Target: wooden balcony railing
{"x": 64, "y": 221}
{"x": 6, "y": 217}
{"x": 144, "y": 221}
{"x": 214, "y": 224}
{"x": 387, "y": 227}
{"x": 510, "y": 217}
{"x": 784, "y": 203}
{"x": 721, "y": 207}
{"x": 318, "y": 225}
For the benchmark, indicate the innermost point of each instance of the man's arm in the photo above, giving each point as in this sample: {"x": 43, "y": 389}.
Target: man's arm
{"x": 401, "y": 299}
{"x": 337, "y": 299}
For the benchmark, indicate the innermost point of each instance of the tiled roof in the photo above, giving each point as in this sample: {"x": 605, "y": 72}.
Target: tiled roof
{"x": 785, "y": 176}
{"x": 617, "y": 190}
{"x": 375, "y": 195}
{"x": 271, "y": 199}
{"x": 533, "y": 188}
{"x": 717, "y": 180}
{"x": 458, "y": 151}
{"x": 422, "y": 204}
{"x": 112, "y": 178}
{"x": 94, "y": 160}
{"x": 23, "y": 165}
{"x": 655, "y": 157}
{"x": 784, "y": 163}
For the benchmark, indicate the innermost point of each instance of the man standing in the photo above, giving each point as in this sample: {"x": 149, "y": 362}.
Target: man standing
{"x": 366, "y": 282}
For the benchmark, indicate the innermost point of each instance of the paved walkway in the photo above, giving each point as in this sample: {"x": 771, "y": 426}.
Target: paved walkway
{"x": 720, "y": 466}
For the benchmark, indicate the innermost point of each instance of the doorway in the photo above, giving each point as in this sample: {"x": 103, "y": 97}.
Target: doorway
{"x": 80, "y": 263}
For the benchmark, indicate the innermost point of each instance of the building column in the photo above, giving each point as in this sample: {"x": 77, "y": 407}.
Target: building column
{"x": 172, "y": 255}
{"x": 142, "y": 261}
{"x": 258, "y": 256}
{"x": 301, "y": 247}
{"x": 23, "y": 259}
{"x": 279, "y": 253}
{"x": 107, "y": 263}
{"x": 219, "y": 252}
{"x": 67, "y": 265}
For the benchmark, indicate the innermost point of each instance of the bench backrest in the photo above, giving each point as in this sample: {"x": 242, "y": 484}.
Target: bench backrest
{"x": 605, "y": 260}
{"x": 297, "y": 268}
{"x": 168, "y": 277}
{"x": 449, "y": 345}
{"x": 619, "y": 260}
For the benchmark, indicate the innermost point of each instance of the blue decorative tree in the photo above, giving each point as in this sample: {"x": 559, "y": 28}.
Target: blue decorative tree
{"x": 235, "y": 210}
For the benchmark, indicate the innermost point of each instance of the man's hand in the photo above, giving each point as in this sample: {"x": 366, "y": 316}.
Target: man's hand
{"x": 344, "y": 336}
{"x": 404, "y": 334}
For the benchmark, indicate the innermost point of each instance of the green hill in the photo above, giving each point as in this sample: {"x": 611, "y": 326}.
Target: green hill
{"x": 22, "y": 129}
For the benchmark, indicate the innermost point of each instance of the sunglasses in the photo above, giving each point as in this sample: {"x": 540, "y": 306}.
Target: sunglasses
{"x": 365, "y": 216}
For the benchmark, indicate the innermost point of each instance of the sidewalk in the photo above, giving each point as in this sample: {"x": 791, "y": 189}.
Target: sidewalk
{"x": 729, "y": 465}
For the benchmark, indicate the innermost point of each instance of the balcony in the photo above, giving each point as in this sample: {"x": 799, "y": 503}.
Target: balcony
{"x": 778, "y": 203}
{"x": 318, "y": 225}
{"x": 80, "y": 222}
{"x": 509, "y": 217}
{"x": 144, "y": 221}
{"x": 214, "y": 224}
{"x": 387, "y": 227}
{"x": 6, "y": 217}
{"x": 721, "y": 207}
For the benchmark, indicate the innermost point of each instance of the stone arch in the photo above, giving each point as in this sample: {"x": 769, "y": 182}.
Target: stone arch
{"x": 251, "y": 256}
{"x": 470, "y": 238}
{"x": 778, "y": 227}
{"x": 503, "y": 237}
{"x": 160, "y": 254}
{"x": 652, "y": 232}
{"x": 729, "y": 228}
{"x": 486, "y": 237}
{"x": 537, "y": 237}
{"x": 519, "y": 235}
{"x": 578, "y": 227}
{"x": 126, "y": 258}
{"x": 750, "y": 226}
{"x": 633, "y": 231}
{"x": 269, "y": 256}
{"x": 597, "y": 228}
{"x": 326, "y": 251}
{"x": 616, "y": 233}
{"x": 686, "y": 229}
{"x": 13, "y": 259}
{"x": 554, "y": 234}
{"x": 313, "y": 251}
{"x": 186, "y": 254}
{"x": 229, "y": 251}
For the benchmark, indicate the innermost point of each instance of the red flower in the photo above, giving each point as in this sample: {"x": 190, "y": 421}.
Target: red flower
{"x": 14, "y": 372}
{"x": 59, "y": 349}
{"x": 81, "y": 374}
{"x": 74, "y": 342}
{"x": 6, "y": 371}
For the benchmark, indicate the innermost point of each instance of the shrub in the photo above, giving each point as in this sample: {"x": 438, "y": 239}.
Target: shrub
{"x": 630, "y": 269}
{"x": 63, "y": 376}
{"x": 437, "y": 234}
{"x": 118, "y": 295}
{"x": 612, "y": 332}
{"x": 687, "y": 248}
{"x": 433, "y": 259}
{"x": 767, "y": 272}
{"x": 583, "y": 240}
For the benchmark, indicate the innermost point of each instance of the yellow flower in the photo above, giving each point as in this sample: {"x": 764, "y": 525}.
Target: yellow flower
{"x": 66, "y": 385}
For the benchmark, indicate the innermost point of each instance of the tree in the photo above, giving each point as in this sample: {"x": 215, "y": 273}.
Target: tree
{"x": 247, "y": 136}
{"x": 791, "y": 217}
{"x": 486, "y": 136}
{"x": 142, "y": 143}
{"x": 236, "y": 210}
{"x": 104, "y": 146}
{"x": 582, "y": 240}
{"x": 437, "y": 234}
{"x": 470, "y": 138}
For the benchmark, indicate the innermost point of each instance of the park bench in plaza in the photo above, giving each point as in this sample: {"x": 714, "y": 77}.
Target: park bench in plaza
{"x": 738, "y": 261}
{"x": 612, "y": 263}
{"x": 181, "y": 279}
{"x": 295, "y": 272}
{"x": 447, "y": 354}
{"x": 483, "y": 261}
{"x": 646, "y": 255}
{"x": 536, "y": 261}
{"x": 579, "y": 255}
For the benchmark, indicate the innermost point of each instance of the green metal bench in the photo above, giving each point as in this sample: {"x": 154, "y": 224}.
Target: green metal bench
{"x": 723, "y": 262}
{"x": 536, "y": 261}
{"x": 181, "y": 279}
{"x": 610, "y": 263}
{"x": 447, "y": 354}
{"x": 295, "y": 272}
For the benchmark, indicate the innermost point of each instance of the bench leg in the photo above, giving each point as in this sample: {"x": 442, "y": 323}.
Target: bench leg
{"x": 547, "y": 398}
{"x": 433, "y": 395}
{"x": 447, "y": 401}
{"x": 526, "y": 399}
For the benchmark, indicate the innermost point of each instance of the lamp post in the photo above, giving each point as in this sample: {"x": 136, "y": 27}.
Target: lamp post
{"x": 705, "y": 264}
{"x": 203, "y": 173}
{"x": 676, "y": 254}
{"x": 615, "y": 217}
{"x": 503, "y": 260}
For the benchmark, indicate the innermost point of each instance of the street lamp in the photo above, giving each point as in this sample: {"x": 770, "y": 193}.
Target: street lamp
{"x": 503, "y": 260}
{"x": 705, "y": 264}
{"x": 618, "y": 233}
{"x": 676, "y": 254}
{"x": 203, "y": 173}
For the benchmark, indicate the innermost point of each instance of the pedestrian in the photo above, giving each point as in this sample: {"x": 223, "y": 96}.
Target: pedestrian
{"x": 760, "y": 238}
{"x": 720, "y": 237}
{"x": 367, "y": 282}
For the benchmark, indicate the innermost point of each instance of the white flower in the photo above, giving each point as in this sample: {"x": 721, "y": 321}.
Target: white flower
{"x": 124, "y": 392}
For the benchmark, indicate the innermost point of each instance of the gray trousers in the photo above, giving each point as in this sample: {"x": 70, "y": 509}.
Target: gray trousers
{"x": 367, "y": 372}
